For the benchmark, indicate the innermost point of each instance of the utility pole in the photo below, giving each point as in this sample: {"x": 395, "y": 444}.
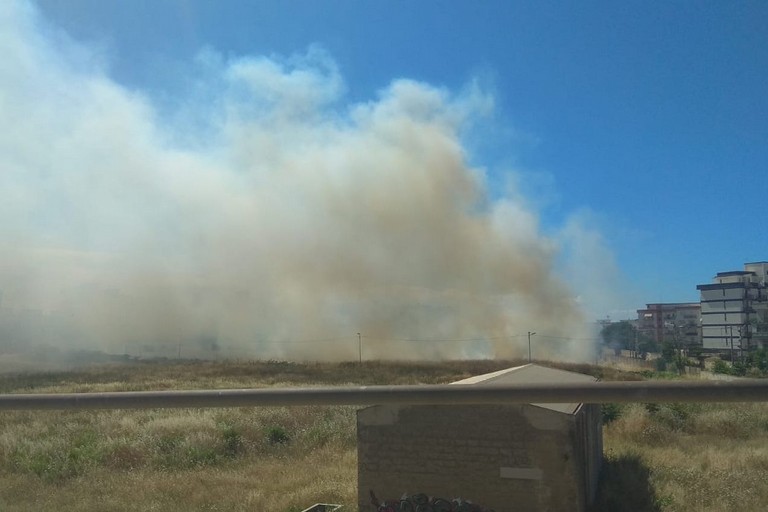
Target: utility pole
{"x": 529, "y": 345}
{"x": 360, "y": 347}
{"x": 740, "y": 330}
{"x": 636, "y": 355}
{"x": 731, "y": 338}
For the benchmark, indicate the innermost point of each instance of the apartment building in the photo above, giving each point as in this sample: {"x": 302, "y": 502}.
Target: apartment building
{"x": 734, "y": 309}
{"x": 675, "y": 322}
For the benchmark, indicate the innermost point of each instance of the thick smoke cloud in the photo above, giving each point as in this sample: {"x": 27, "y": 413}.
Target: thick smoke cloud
{"x": 259, "y": 215}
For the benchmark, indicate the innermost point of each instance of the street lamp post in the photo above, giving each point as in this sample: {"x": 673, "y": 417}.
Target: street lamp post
{"x": 529, "y": 345}
{"x": 360, "y": 347}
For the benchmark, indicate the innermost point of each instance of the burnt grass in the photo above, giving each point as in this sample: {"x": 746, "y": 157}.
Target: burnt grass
{"x": 198, "y": 374}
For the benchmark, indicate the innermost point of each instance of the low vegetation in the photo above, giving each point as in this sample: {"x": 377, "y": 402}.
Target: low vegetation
{"x": 660, "y": 457}
{"x": 276, "y": 459}
{"x": 697, "y": 457}
{"x": 754, "y": 365}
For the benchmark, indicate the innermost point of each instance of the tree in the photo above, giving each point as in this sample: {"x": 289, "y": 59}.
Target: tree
{"x": 668, "y": 351}
{"x": 623, "y": 335}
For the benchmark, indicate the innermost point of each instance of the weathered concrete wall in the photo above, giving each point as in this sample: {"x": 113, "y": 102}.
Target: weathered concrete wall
{"x": 505, "y": 458}
{"x": 589, "y": 441}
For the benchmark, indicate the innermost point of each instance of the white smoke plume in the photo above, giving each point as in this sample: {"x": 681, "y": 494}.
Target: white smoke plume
{"x": 263, "y": 215}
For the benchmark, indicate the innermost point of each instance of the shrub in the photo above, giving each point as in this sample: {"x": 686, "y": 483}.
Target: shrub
{"x": 57, "y": 462}
{"x": 277, "y": 435}
{"x": 610, "y": 412}
{"x": 721, "y": 366}
{"x": 739, "y": 368}
{"x": 200, "y": 456}
{"x": 652, "y": 408}
{"x": 760, "y": 360}
{"x": 233, "y": 441}
{"x": 674, "y": 416}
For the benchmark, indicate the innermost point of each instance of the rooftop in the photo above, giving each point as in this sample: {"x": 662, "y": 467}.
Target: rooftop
{"x": 532, "y": 374}
{"x": 671, "y": 305}
{"x": 735, "y": 273}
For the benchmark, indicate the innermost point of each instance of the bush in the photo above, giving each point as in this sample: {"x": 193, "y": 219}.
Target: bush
{"x": 652, "y": 408}
{"x": 721, "y": 366}
{"x": 739, "y": 368}
{"x": 58, "y": 462}
{"x": 610, "y": 412}
{"x": 233, "y": 441}
{"x": 201, "y": 456}
{"x": 673, "y": 416}
{"x": 277, "y": 435}
{"x": 760, "y": 360}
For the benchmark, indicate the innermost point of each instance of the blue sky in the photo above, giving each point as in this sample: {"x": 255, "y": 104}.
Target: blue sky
{"x": 650, "y": 119}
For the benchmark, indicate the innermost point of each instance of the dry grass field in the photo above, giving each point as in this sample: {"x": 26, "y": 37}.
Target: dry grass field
{"x": 281, "y": 459}
{"x": 688, "y": 457}
{"x": 697, "y": 457}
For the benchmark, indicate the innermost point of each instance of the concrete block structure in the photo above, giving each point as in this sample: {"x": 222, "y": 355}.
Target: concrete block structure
{"x": 532, "y": 457}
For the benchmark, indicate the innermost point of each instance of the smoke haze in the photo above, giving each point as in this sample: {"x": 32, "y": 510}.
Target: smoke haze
{"x": 260, "y": 214}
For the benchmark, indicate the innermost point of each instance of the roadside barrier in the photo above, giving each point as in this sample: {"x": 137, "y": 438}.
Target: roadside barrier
{"x": 747, "y": 390}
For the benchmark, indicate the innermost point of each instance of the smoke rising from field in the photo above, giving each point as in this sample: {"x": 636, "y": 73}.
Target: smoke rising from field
{"x": 261, "y": 213}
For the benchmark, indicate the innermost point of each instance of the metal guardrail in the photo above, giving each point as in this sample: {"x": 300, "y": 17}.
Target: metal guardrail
{"x": 594, "y": 392}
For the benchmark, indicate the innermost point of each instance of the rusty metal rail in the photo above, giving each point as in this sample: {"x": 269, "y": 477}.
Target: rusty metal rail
{"x": 596, "y": 392}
